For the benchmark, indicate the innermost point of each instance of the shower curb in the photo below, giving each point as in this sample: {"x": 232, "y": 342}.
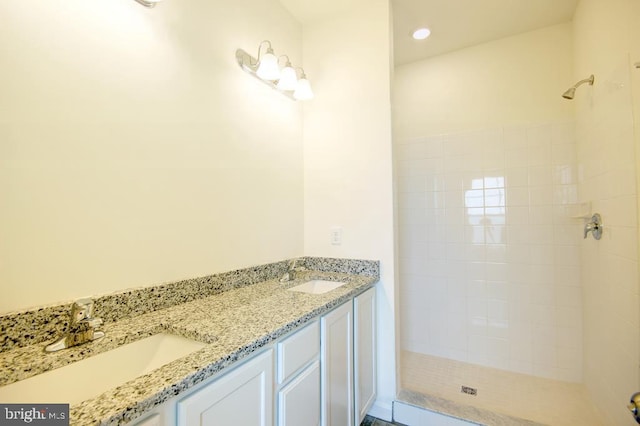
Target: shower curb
{"x": 466, "y": 413}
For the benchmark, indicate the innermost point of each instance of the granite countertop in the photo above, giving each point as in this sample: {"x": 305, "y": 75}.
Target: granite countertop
{"x": 233, "y": 323}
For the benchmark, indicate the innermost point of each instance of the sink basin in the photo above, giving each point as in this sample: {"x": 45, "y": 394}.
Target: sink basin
{"x": 317, "y": 286}
{"x": 90, "y": 377}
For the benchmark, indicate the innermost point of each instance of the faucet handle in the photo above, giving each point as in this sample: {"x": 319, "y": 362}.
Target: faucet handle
{"x": 82, "y": 309}
{"x": 82, "y": 327}
{"x": 595, "y": 227}
{"x": 589, "y": 227}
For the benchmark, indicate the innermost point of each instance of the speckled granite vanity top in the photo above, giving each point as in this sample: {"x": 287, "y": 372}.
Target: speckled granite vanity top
{"x": 234, "y": 322}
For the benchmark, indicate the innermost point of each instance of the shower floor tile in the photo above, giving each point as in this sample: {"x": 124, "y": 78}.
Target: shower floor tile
{"x": 509, "y": 395}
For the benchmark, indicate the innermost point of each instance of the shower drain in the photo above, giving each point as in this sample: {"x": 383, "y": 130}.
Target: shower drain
{"x": 469, "y": 391}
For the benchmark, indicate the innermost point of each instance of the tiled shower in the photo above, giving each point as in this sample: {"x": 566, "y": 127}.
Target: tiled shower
{"x": 496, "y": 176}
{"x": 489, "y": 254}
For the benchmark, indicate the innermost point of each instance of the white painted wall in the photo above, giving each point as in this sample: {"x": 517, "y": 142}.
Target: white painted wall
{"x": 133, "y": 149}
{"x": 347, "y": 157}
{"x": 605, "y": 33}
{"x": 487, "y": 183}
{"x": 512, "y": 81}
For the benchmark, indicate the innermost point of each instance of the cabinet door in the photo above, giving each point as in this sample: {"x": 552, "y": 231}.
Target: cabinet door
{"x": 336, "y": 367}
{"x": 364, "y": 333}
{"x": 243, "y": 397}
{"x": 299, "y": 401}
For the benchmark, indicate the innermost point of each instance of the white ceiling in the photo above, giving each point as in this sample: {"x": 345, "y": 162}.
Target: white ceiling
{"x": 307, "y": 11}
{"x": 454, "y": 24}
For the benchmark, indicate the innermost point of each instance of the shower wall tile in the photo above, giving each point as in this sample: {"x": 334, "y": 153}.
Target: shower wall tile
{"x": 607, "y": 180}
{"x": 489, "y": 252}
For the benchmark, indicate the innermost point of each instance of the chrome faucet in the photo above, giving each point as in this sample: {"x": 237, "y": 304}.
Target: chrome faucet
{"x": 290, "y": 274}
{"x": 595, "y": 227}
{"x": 82, "y": 327}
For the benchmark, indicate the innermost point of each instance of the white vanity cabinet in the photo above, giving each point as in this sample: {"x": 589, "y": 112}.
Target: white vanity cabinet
{"x": 299, "y": 401}
{"x": 348, "y": 361}
{"x": 153, "y": 419}
{"x": 322, "y": 374}
{"x": 298, "y": 396}
{"x": 337, "y": 366}
{"x": 243, "y": 397}
{"x": 364, "y": 353}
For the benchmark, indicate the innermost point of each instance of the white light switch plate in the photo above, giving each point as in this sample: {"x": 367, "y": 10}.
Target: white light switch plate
{"x": 336, "y": 235}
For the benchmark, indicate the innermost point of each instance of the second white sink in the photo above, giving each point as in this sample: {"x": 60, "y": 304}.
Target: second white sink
{"x": 90, "y": 377}
{"x": 317, "y": 286}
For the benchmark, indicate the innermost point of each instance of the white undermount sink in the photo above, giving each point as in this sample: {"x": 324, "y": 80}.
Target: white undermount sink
{"x": 317, "y": 286}
{"x": 90, "y": 377}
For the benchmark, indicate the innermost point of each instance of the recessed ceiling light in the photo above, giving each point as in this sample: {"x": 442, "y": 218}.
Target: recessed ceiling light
{"x": 421, "y": 33}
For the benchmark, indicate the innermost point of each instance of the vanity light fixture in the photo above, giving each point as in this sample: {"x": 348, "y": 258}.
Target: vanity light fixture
{"x": 149, "y": 3}
{"x": 266, "y": 68}
{"x": 288, "y": 78}
{"x": 303, "y": 90}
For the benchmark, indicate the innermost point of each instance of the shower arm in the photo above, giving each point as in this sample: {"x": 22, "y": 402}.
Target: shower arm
{"x": 571, "y": 92}
{"x": 586, "y": 80}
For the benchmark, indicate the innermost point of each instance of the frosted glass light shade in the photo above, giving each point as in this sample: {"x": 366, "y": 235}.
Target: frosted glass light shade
{"x": 288, "y": 79}
{"x": 303, "y": 91}
{"x": 268, "y": 68}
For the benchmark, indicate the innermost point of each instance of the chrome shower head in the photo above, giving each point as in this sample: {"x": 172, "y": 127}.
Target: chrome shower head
{"x": 571, "y": 92}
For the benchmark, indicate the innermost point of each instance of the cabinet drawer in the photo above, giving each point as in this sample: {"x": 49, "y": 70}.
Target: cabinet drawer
{"x": 152, "y": 420}
{"x": 298, "y": 350}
